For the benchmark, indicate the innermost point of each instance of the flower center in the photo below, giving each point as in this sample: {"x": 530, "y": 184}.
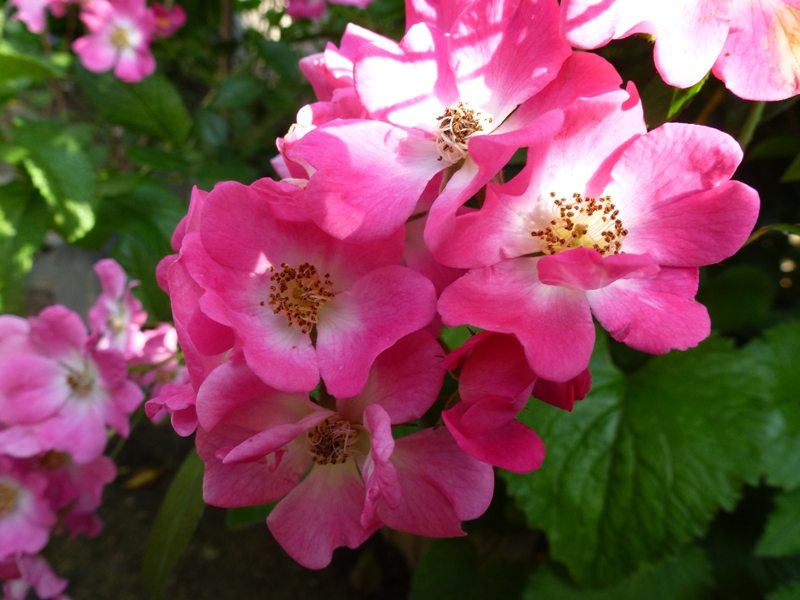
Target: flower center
{"x": 9, "y": 495}
{"x": 298, "y": 294}
{"x": 329, "y": 442}
{"x": 115, "y": 324}
{"x": 458, "y": 123}
{"x": 119, "y": 38}
{"x": 53, "y": 460}
{"x": 582, "y": 223}
{"x": 80, "y": 383}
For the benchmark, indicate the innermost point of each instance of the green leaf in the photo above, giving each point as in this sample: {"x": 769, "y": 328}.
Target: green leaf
{"x": 738, "y": 297}
{"x": 14, "y": 65}
{"x": 240, "y": 518}
{"x": 782, "y": 534}
{"x": 686, "y": 576}
{"x": 62, "y": 173}
{"x": 790, "y": 593}
{"x": 280, "y": 57}
{"x": 777, "y": 146}
{"x": 682, "y": 98}
{"x": 777, "y": 356}
{"x": 455, "y": 337}
{"x": 238, "y": 90}
{"x": 152, "y": 106}
{"x": 452, "y": 570}
{"x": 156, "y": 158}
{"x": 783, "y": 227}
{"x": 792, "y": 173}
{"x": 211, "y": 127}
{"x": 175, "y": 522}
{"x": 642, "y": 464}
{"x": 23, "y": 224}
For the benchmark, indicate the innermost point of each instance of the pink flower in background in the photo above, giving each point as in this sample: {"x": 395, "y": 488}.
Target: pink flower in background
{"x": 25, "y": 514}
{"x": 494, "y": 384}
{"x": 117, "y": 316}
{"x": 313, "y": 9}
{"x": 30, "y": 571}
{"x": 753, "y": 46}
{"x": 34, "y": 12}
{"x": 119, "y": 38}
{"x": 258, "y": 443}
{"x": 167, "y": 21}
{"x": 605, "y": 220}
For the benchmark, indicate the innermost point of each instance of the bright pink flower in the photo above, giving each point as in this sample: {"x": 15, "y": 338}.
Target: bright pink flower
{"x": 313, "y": 9}
{"x": 433, "y": 97}
{"x": 25, "y": 514}
{"x": 34, "y": 12}
{"x": 605, "y": 220}
{"x": 274, "y": 281}
{"x": 260, "y": 443}
{"x": 495, "y": 383}
{"x": 117, "y": 316}
{"x": 752, "y": 46}
{"x": 66, "y": 395}
{"x": 28, "y": 571}
{"x": 119, "y": 38}
{"x": 167, "y": 21}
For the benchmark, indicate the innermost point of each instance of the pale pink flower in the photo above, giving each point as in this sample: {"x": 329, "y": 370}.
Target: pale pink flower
{"x": 258, "y": 443}
{"x": 117, "y": 316}
{"x": 34, "y": 12}
{"x": 119, "y": 37}
{"x": 605, "y": 220}
{"x": 25, "y": 514}
{"x": 753, "y": 45}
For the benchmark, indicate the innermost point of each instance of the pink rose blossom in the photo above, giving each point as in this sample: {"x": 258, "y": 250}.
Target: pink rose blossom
{"x": 752, "y": 46}
{"x": 119, "y": 38}
{"x": 28, "y": 571}
{"x": 167, "y": 21}
{"x": 258, "y": 443}
{"x": 25, "y": 514}
{"x": 34, "y": 12}
{"x": 618, "y": 233}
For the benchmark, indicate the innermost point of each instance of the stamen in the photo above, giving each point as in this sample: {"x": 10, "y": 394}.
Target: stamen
{"x": 53, "y": 460}
{"x": 458, "y": 123}
{"x": 119, "y": 38}
{"x": 9, "y": 496}
{"x": 115, "y": 324}
{"x": 329, "y": 442}
{"x": 582, "y": 223}
{"x": 298, "y": 294}
{"x": 80, "y": 383}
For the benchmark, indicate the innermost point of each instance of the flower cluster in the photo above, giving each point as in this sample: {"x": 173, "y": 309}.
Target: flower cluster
{"x": 119, "y": 32}
{"x": 306, "y": 308}
{"x": 61, "y": 390}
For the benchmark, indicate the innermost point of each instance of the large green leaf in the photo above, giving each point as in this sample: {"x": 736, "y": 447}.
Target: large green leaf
{"x": 790, "y": 593}
{"x": 782, "y": 534}
{"x": 777, "y": 355}
{"x": 15, "y": 65}
{"x": 152, "y": 106}
{"x": 452, "y": 570}
{"x": 175, "y": 522}
{"x": 642, "y": 464}
{"x": 23, "y": 223}
{"x": 686, "y": 576}
{"x": 62, "y": 173}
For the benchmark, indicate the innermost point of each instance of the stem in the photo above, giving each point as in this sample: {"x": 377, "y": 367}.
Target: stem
{"x": 711, "y": 106}
{"x": 750, "y": 124}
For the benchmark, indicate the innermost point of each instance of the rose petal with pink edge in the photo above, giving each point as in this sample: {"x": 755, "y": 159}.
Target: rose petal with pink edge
{"x": 592, "y": 24}
{"x": 496, "y": 367}
{"x": 380, "y": 475}
{"x": 363, "y": 321}
{"x": 321, "y": 514}
{"x": 404, "y": 380}
{"x": 508, "y": 298}
{"x": 512, "y": 446}
{"x": 32, "y": 388}
{"x": 653, "y": 315}
{"x": 369, "y": 176}
{"x": 441, "y": 486}
{"x": 563, "y": 394}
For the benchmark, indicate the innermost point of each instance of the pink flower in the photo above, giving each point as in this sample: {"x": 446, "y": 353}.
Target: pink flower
{"x": 119, "y": 38}
{"x": 752, "y": 46}
{"x": 313, "y": 9}
{"x": 27, "y": 571}
{"x": 167, "y": 21}
{"x": 495, "y": 383}
{"x": 276, "y": 281}
{"x": 258, "y": 443}
{"x": 605, "y": 220}
{"x": 434, "y": 99}
{"x": 65, "y": 395}
{"x": 34, "y": 12}
{"x": 25, "y": 515}
{"x": 117, "y": 316}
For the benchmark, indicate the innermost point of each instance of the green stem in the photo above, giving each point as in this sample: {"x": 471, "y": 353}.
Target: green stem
{"x": 750, "y": 124}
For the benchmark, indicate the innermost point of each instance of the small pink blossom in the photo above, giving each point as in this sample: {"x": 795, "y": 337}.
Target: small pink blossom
{"x": 34, "y": 12}
{"x": 167, "y": 21}
{"x": 27, "y": 571}
{"x": 313, "y": 9}
{"x": 25, "y": 514}
{"x": 119, "y": 38}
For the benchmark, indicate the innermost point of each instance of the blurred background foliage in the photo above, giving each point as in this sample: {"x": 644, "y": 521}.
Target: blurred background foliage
{"x": 677, "y": 477}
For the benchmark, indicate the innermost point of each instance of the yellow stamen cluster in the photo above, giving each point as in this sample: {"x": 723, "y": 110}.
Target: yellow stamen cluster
{"x": 329, "y": 442}
{"x": 582, "y": 223}
{"x": 458, "y": 123}
{"x": 53, "y": 460}
{"x": 298, "y": 294}
{"x": 80, "y": 383}
{"x": 119, "y": 38}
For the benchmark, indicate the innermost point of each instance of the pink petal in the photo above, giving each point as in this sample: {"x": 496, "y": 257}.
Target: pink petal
{"x": 587, "y": 269}
{"x": 380, "y": 475}
{"x": 496, "y": 367}
{"x": 564, "y": 394}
